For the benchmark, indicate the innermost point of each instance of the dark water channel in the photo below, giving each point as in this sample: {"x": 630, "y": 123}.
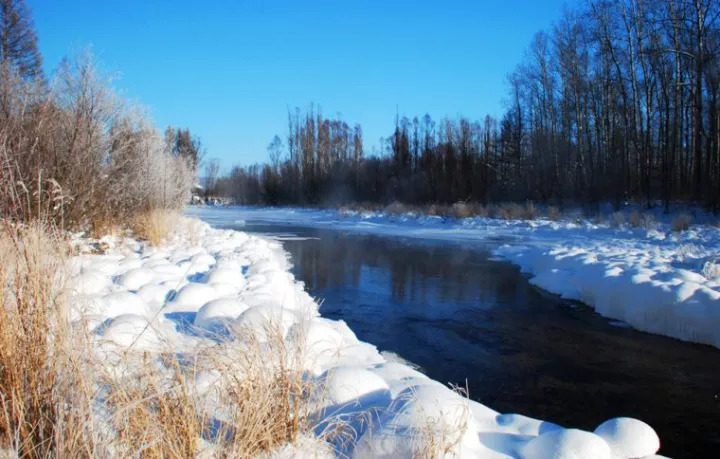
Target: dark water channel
{"x": 462, "y": 316}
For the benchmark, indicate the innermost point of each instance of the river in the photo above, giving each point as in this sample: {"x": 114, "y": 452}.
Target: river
{"x": 468, "y": 319}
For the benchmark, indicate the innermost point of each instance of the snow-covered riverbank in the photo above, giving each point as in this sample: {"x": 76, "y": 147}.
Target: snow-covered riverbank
{"x": 655, "y": 280}
{"x": 205, "y": 283}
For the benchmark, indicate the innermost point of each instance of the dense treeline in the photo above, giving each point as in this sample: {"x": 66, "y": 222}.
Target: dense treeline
{"x": 71, "y": 149}
{"x": 619, "y": 100}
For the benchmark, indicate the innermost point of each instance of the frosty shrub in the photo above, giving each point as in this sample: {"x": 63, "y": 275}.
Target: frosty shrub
{"x": 462, "y": 210}
{"x": 396, "y": 208}
{"x": 617, "y": 219}
{"x": 642, "y": 220}
{"x": 78, "y": 148}
{"x": 553, "y": 213}
{"x": 682, "y": 223}
{"x": 514, "y": 211}
{"x": 439, "y": 210}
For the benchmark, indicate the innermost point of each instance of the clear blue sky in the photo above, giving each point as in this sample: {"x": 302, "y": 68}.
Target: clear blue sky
{"x": 229, "y": 70}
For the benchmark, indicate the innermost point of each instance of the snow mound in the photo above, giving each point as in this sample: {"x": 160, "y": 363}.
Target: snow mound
{"x": 567, "y": 444}
{"x": 118, "y": 303}
{"x": 90, "y": 282}
{"x": 346, "y": 384}
{"x": 132, "y": 330}
{"x": 194, "y": 295}
{"x": 629, "y": 437}
{"x": 218, "y": 312}
{"x": 136, "y": 278}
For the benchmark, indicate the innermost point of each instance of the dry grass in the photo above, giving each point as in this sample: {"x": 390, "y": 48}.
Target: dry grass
{"x": 438, "y": 210}
{"x": 642, "y": 220}
{"x": 438, "y": 437}
{"x": 52, "y": 384}
{"x": 553, "y": 213}
{"x": 396, "y": 208}
{"x": 30, "y": 336}
{"x": 468, "y": 209}
{"x": 514, "y": 211}
{"x": 682, "y": 223}
{"x": 259, "y": 397}
{"x": 155, "y": 225}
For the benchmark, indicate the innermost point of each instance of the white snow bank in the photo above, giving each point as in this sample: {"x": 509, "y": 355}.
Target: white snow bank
{"x": 654, "y": 285}
{"x": 186, "y": 294}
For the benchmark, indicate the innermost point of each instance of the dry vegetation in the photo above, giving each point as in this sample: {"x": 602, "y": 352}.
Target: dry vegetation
{"x": 61, "y": 398}
{"x": 79, "y": 155}
{"x": 154, "y": 225}
{"x": 28, "y": 341}
{"x": 682, "y": 223}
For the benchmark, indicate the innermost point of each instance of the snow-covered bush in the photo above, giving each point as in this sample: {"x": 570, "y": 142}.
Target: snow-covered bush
{"x": 79, "y": 154}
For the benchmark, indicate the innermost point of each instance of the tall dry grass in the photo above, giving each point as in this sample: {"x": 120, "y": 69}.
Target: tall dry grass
{"x": 681, "y": 223}
{"x": 34, "y": 334}
{"x": 154, "y": 225}
{"x": 254, "y": 400}
{"x": 59, "y": 397}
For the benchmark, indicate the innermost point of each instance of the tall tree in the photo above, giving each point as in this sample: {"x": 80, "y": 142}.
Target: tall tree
{"x": 18, "y": 42}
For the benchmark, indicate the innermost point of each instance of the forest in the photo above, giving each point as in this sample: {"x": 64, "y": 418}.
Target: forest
{"x": 616, "y": 102}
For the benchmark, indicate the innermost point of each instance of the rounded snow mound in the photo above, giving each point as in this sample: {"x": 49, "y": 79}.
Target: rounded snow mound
{"x": 427, "y": 420}
{"x": 216, "y": 312}
{"x": 154, "y": 293}
{"x": 136, "y": 278}
{"x": 226, "y": 276}
{"x": 346, "y": 384}
{"x": 629, "y": 437}
{"x": 118, "y": 303}
{"x": 318, "y": 337}
{"x": 90, "y": 282}
{"x": 195, "y": 294}
{"x": 265, "y": 321}
{"x": 131, "y": 330}
{"x": 567, "y": 444}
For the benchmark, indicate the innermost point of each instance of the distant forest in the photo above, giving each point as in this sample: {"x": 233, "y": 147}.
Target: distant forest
{"x": 618, "y": 101}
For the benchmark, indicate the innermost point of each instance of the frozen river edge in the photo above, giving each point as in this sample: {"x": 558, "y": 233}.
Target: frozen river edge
{"x": 225, "y": 280}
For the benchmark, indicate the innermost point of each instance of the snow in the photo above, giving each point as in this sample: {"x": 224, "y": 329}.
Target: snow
{"x": 655, "y": 280}
{"x": 629, "y": 437}
{"x": 568, "y": 444}
{"x": 149, "y": 299}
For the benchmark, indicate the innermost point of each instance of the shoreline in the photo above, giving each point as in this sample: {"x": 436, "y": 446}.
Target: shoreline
{"x": 225, "y": 278}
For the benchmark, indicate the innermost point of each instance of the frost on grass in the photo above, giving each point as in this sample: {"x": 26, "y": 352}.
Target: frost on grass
{"x": 207, "y": 346}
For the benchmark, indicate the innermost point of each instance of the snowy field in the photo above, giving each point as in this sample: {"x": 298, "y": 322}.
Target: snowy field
{"x": 655, "y": 280}
{"x": 218, "y": 281}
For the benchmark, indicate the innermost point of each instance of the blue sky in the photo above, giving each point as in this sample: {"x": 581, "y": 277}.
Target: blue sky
{"x": 229, "y": 70}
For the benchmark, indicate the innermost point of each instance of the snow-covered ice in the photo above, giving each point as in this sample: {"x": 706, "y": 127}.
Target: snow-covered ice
{"x": 140, "y": 297}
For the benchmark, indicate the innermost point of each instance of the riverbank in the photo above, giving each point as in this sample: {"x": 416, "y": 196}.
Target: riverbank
{"x": 206, "y": 289}
{"x": 655, "y": 279}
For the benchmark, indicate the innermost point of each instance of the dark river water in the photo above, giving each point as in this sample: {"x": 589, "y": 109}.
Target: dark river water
{"x": 470, "y": 320}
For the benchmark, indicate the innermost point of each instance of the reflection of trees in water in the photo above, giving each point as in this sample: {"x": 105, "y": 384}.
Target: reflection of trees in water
{"x": 417, "y": 273}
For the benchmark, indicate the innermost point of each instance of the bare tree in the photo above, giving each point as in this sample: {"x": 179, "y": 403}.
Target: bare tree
{"x": 212, "y": 168}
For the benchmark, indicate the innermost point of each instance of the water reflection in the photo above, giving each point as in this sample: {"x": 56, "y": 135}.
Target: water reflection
{"x": 466, "y": 318}
{"x": 414, "y": 274}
